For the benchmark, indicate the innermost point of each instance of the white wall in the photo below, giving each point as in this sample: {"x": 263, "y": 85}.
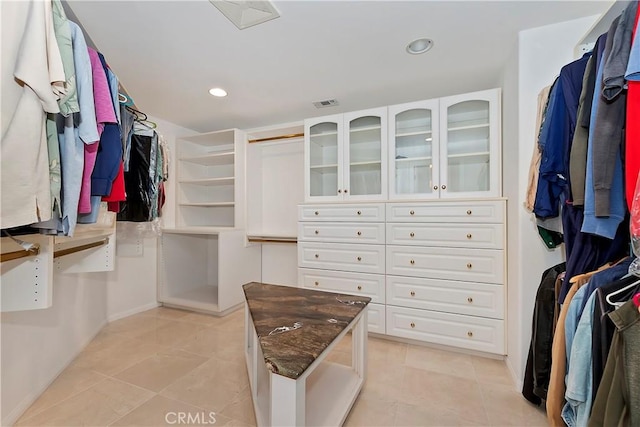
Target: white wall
{"x": 541, "y": 53}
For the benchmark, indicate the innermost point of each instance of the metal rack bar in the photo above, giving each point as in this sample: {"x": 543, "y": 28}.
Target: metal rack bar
{"x": 9, "y": 256}
{"x": 68, "y": 251}
{"x": 273, "y": 138}
{"x": 258, "y": 239}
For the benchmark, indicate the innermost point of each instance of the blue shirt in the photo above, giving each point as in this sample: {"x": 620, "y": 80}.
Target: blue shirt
{"x": 633, "y": 66}
{"x": 605, "y": 277}
{"x": 579, "y": 379}
{"x": 571, "y": 321}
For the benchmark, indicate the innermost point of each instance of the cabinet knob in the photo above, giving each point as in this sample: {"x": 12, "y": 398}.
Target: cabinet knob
{"x": 317, "y": 232}
{"x": 317, "y": 256}
{"x": 317, "y": 213}
{"x": 469, "y": 265}
{"x": 444, "y": 187}
{"x": 359, "y": 287}
{"x": 411, "y": 212}
{"x": 359, "y": 258}
{"x": 435, "y": 187}
{"x": 469, "y": 236}
{"x": 412, "y": 234}
{"x": 470, "y": 334}
{"x": 359, "y": 233}
{"x": 412, "y": 262}
{"x": 470, "y": 300}
{"x": 339, "y": 191}
{"x": 359, "y": 212}
{"x": 316, "y": 283}
{"x": 413, "y": 325}
{"x": 413, "y": 294}
{"x": 346, "y": 191}
{"x": 469, "y": 212}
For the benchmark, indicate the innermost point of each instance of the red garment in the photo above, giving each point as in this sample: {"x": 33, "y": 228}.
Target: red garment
{"x": 118, "y": 193}
{"x": 632, "y": 142}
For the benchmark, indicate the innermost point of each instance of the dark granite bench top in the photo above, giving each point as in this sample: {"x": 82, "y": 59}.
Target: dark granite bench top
{"x": 295, "y": 325}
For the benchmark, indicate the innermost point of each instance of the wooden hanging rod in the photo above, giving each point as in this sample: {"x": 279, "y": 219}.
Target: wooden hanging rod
{"x": 274, "y": 138}
{"x": 35, "y": 250}
{"x": 63, "y": 252}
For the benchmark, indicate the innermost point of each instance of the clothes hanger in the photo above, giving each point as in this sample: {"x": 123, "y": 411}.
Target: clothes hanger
{"x": 620, "y": 291}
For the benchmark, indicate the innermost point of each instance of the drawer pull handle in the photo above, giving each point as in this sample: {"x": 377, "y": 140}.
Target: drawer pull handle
{"x": 470, "y": 334}
{"x": 412, "y": 262}
{"x": 359, "y": 233}
{"x": 346, "y": 191}
{"x": 359, "y": 212}
{"x": 413, "y": 325}
{"x": 413, "y": 294}
{"x": 470, "y": 300}
{"x": 469, "y": 212}
{"x": 316, "y": 283}
{"x": 469, "y": 236}
{"x": 359, "y": 287}
{"x": 339, "y": 191}
{"x": 469, "y": 265}
{"x": 411, "y": 212}
{"x": 317, "y": 213}
{"x": 317, "y": 256}
{"x": 359, "y": 258}
{"x": 317, "y": 232}
{"x": 444, "y": 187}
{"x": 435, "y": 187}
{"x": 412, "y": 234}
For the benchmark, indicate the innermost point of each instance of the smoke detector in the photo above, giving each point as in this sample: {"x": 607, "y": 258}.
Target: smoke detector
{"x": 246, "y": 14}
{"x": 326, "y": 103}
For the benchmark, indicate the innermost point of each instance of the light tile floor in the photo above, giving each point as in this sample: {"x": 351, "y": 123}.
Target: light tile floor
{"x": 141, "y": 369}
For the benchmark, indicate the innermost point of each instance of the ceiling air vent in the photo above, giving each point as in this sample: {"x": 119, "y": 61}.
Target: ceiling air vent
{"x": 245, "y": 13}
{"x": 326, "y": 103}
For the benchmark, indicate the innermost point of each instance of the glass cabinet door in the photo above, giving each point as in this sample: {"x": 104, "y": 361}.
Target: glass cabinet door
{"x": 470, "y": 155}
{"x": 413, "y": 150}
{"x": 324, "y": 158}
{"x": 365, "y": 154}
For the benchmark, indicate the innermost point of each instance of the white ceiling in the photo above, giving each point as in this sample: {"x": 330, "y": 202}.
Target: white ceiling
{"x": 168, "y": 54}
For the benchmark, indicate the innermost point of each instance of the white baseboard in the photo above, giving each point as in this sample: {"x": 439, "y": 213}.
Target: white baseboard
{"x": 516, "y": 380}
{"x": 37, "y": 391}
{"x": 133, "y": 311}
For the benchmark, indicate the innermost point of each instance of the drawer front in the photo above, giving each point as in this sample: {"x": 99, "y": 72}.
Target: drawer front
{"x": 471, "y": 265}
{"x": 489, "y": 211}
{"x": 486, "y": 236}
{"x": 342, "y": 232}
{"x": 361, "y": 284}
{"x": 376, "y": 318}
{"x": 342, "y": 257}
{"x": 370, "y": 212}
{"x": 474, "y": 299}
{"x": 457, "y": 330}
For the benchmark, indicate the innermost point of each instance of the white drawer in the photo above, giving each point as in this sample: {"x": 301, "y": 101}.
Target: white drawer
{"x": 369, "y": 212}
{"x": 376, "y": 318}
{"x": 342, "y": 232}
{"x": 457, "y": 330}
{"x": 342, "y": 256}
{"x": 471, "y": 265}
{"x": 361, "y": 284}
{"x": 488, "y": 211}
{"x": 487, "y": 236}
{"x": 475, "y": 299}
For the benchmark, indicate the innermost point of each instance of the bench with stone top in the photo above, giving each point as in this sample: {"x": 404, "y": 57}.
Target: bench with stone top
{"x": 288, "y": 334}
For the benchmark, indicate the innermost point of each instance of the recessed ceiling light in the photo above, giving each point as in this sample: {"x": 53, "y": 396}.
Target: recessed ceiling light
{"x": 419, "y": 46}
{"x": 216, "y": 91}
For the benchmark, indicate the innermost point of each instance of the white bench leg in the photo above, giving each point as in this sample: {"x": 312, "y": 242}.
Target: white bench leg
{"x": 287, "y": 401}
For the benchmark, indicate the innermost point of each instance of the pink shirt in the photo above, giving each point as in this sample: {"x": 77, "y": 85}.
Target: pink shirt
{"x": 104, "y": 114}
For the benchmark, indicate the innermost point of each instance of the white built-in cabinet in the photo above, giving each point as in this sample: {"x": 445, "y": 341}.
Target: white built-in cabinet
{"x": 345, "y": 156}
{"x": 205, "y": 260}
{"x": 429, "y": 249}
{"x": 447, "y": 147}
{"x": 210, "y": 180}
